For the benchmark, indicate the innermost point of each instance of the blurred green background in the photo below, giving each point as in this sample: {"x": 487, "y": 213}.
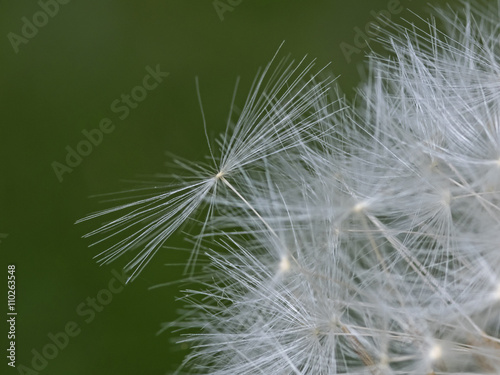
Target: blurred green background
{"x": 63, "y": 80}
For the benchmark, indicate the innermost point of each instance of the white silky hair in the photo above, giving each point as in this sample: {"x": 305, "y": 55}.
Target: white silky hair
{"x": 347, "y": 238}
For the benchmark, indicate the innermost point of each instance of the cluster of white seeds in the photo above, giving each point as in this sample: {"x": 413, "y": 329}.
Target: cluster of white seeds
{"x": 347, "y": 238}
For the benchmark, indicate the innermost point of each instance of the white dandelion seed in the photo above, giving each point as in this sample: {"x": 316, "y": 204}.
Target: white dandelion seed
{"x": 277, "y": 116}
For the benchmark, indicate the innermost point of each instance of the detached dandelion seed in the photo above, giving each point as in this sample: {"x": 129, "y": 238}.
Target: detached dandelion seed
{"x": 275, "y": 118}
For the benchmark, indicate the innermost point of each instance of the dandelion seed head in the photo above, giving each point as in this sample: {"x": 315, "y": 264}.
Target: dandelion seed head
{"x": 389, "y": 277}
{"x": 357, "y": 238}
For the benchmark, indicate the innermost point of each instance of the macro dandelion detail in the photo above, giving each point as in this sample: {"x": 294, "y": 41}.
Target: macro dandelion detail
{"x": 346, "y": 237}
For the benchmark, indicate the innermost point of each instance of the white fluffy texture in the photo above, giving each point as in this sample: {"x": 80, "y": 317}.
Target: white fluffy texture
{"x": 360, "y": 240}
{"x": 277, "y": 110}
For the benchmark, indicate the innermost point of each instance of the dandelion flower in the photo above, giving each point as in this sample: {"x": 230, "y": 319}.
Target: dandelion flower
{"x": 348, "y": 238}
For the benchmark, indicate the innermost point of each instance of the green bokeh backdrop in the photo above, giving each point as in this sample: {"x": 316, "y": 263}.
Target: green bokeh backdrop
{"x": 62, "y": 81}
